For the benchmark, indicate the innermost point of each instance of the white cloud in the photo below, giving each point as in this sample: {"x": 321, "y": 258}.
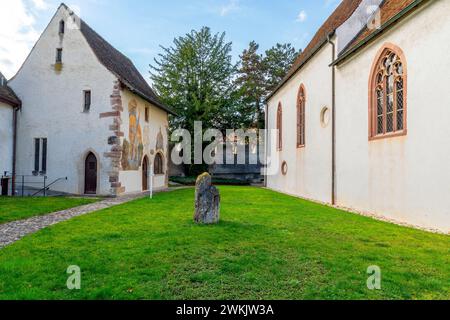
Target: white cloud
{"x": 302, "y": 16}
{"x": 17, "y": 33}
{"x": 40, "y": 4}
{"x": 232, "y": 5}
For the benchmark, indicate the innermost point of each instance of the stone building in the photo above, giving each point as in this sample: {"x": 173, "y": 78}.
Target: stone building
{"x": 362, "y": 115}
{"x": 87, "y": 114}
{"x": 9, "y": 105}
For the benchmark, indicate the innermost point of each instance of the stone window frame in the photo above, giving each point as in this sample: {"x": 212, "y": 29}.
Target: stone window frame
{"x": 284, "y": 168}
{"x": 301, "y": 117}
{"x": 280, "y": 127}
{"x": 59, "y": 55}
{"x": 40, "y": 157}
{"x": 386, "y": 50}
{"x": 87, "y": 106}
{"x": 159, "y": 169}
{"x": 62, "y": 27}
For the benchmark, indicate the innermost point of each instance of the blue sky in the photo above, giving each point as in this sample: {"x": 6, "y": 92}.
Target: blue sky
{"x": 139, "y": 27}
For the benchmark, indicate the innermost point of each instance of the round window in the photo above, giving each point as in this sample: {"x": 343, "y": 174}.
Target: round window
{"x": 325, "y": 117}
{"x": 284, "y": 168}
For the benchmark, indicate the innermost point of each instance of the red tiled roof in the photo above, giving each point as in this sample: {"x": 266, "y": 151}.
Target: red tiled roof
{"x": 337, "y": 18}
{"x": 389, "y": 10}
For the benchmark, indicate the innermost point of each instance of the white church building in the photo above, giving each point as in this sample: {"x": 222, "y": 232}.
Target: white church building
{"x": 83, "y": 112}
{"x": 363, "y": 115}
{"x": 9, "y": 106}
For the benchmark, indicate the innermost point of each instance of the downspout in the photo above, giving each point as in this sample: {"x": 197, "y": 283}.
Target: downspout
{"x": 333, "y": 123}
{"x": 13, "y": 180}
{"x": 266, "y": 144}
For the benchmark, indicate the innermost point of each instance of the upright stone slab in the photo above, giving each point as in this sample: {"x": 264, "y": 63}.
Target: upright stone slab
{"x": 207, "y": 201}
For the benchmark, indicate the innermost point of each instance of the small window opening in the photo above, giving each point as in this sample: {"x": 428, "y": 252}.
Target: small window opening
{"x": 59, "y": 55}
{"x": 62, "y": 26}
{"x": 147, "y": 114}
{"x": 87, "y": 100}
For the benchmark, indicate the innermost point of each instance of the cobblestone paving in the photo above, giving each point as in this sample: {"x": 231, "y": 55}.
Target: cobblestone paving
{"x": 14, "y": 231}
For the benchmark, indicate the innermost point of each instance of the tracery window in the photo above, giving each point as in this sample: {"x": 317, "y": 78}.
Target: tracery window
{"x": 280, "y": 127}
{"x": 159, "y": 164}
{"x": 301, "y": 115}
{"x": 388, "y": 90}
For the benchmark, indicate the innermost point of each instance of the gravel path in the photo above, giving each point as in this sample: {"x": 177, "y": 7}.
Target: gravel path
{"x": 14, "y": 231}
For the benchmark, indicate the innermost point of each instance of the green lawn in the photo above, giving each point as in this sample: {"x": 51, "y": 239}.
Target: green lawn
{"x": 12, "y": 209}
{"x": 268, "y": 246}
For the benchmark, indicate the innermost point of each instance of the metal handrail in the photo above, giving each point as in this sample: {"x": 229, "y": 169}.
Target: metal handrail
{"x": 46, "y": 188}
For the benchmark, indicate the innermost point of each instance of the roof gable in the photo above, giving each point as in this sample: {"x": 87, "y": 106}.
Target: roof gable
{"x": 120, "y": 65}
{"x": 7, "y": 94}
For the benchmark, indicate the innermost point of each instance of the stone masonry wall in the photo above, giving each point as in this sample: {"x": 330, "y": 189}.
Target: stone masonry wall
{"x": 114, "y": 140}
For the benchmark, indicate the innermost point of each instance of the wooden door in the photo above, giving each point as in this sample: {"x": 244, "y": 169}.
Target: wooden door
{"x": 90, "y": 176}
{"x": 145, "y": 174}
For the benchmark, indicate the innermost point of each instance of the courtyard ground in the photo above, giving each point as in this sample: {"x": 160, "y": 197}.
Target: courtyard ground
{"x": 267, "y": 246}
{"x": 16, "y": 208}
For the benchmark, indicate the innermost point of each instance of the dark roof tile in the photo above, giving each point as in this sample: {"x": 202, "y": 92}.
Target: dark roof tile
{"x": 7, "y": 95}
{"x": 120, "y": 66}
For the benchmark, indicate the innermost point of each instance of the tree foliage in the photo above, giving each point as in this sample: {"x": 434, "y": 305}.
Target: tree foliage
{"x": 277, "y": 62}
{"x": 257, "y": 77}
{"x": 251, "y": 84}
{"x": 197, "y": 78}
{"x": 194, "y": 77}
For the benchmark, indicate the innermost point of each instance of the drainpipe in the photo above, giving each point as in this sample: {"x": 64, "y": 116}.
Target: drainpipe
{"x": 333, "y": 124}
{"x": 266, "y": 143}
{"x": 13, "y": 180}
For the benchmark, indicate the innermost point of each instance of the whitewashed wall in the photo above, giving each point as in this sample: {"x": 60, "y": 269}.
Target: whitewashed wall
{"x": 406, "y": 178}
{"x": 309, "y": 168}
{"x": 6, "y": 138}
{"x": 53, "y": 108}
{"x": 132, "y": 179}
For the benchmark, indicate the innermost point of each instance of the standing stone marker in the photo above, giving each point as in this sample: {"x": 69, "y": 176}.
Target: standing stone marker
{"x": 207, "y": 201}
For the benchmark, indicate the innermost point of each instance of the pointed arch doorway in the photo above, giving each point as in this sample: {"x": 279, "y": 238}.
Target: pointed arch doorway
{"x": 145, "y": 174}
{"x": 90, "y": 174}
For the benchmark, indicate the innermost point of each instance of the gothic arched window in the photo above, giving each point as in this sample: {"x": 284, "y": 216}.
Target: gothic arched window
{"x": 301, "y": 115}
{"x": 159, "y": 164}
{"x": 280, "y": 127}
{"x": 388, "y": 94}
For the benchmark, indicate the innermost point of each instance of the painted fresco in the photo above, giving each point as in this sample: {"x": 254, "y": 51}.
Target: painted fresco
{"x": 159, "y": 141}
{"x": 133, "y": 149}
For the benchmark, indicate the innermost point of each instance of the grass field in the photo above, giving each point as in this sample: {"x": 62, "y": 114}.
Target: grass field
{"x": 267, "y": 246}
{"x": 12, "y": 209}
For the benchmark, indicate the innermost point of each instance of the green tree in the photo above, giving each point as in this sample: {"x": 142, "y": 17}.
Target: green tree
{"x": 257, "y": 77}
{"x": 277, "y": 62}
{"x": 194, "y": 77}
{"x": 251, "y": 84}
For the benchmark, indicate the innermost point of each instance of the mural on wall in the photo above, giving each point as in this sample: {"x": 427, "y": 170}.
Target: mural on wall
{"x": 147, "y": 136}
{"x": 159, "y": 140}
{"x": 133, "y": 150}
